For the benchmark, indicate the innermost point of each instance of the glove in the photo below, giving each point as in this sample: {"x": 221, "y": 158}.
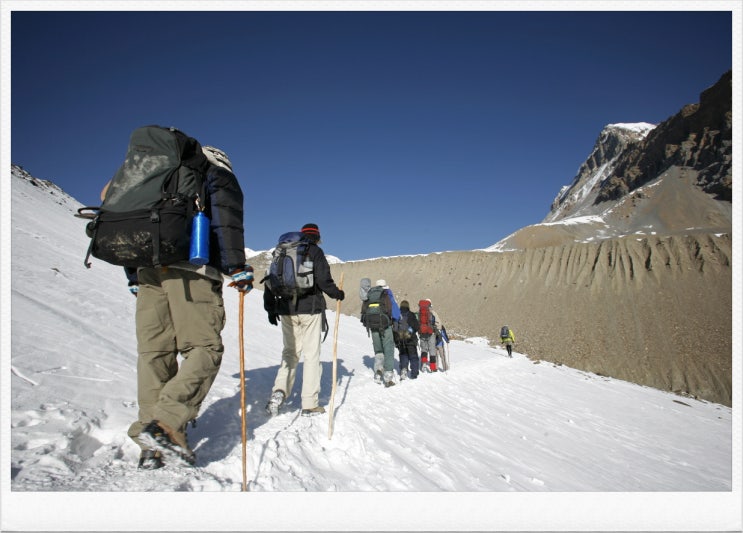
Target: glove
{"x": 242, "y": 279}
{"x": 341, "y": 295}
{"x": 134, "y": 288}
{"x": 273, "y": 318}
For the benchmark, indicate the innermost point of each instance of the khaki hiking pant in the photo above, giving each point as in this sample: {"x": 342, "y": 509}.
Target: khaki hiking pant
{"x": 177, "y": 312}
{"x": 302, "y": 337}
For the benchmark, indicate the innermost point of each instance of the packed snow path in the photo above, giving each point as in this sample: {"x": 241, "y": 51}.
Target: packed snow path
{"x": 490, "y": 424}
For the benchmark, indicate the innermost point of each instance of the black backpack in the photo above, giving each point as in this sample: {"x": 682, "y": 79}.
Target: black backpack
{"x": 291, "y": 272}
{"x": 504, "y": 332}
{"x": 146, "y": 215}
{"x": 375, "y": 317}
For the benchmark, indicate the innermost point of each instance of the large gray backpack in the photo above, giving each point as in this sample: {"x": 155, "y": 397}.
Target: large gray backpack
{"x": 291, "y": 272}
{"x": 146, "y": 215}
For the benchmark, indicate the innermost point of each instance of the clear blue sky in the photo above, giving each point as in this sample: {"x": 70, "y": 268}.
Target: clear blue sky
{"x": 396, "y": 132}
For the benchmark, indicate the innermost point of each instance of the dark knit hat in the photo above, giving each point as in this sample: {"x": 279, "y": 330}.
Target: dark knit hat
{"x": 311, "y": 229}
{"x": 404, "y": 303}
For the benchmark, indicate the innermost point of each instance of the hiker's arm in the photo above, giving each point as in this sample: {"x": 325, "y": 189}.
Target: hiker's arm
{"x": 269, "y": 304}
{"x": 226, "y": 210}
{"x": 413, "y": 322}
{"x": 131, "y": 275}
{"x": 324, "y": 279}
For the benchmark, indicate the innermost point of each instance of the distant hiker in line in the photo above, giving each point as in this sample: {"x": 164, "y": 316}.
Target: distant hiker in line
{"x": 441, "y": 338}
{"x": 180, "y": 309}
{"x": 406, "y": 339}
{"x": 302, "y": 318}
{"x": 508, "y": 338}
{"x": 429, "y": 326}
{"x": 379, "y": 311}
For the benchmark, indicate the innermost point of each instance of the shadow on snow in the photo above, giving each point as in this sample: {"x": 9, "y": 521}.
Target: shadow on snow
{"x": 218, "y": 428}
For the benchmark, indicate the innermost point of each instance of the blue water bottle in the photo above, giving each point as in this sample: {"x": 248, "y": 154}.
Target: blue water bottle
{"x": 199, "y": 253}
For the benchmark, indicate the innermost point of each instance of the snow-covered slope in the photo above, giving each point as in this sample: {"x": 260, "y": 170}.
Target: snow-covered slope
{"x": 495, "y": 428}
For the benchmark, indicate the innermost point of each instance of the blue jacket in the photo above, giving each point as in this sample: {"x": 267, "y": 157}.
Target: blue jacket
{"x": 395, "y": 312}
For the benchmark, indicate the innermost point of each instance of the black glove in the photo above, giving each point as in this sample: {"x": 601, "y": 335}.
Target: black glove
{"x": 273, "y": 318}
{"x": 341, "y": 295}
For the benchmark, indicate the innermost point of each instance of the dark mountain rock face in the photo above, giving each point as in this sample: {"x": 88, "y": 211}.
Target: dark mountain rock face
{"x": 699, "y": 137}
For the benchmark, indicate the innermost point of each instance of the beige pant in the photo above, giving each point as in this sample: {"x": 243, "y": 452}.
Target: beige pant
{"x": 177, "y": 312}
{"x": 302, "y": 337}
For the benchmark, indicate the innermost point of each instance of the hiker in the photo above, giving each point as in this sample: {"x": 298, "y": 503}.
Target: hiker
{"x": 429, "y": 326}
{"x": 180, "y": 309}
{"x": 303, "y": 321}
{"x": 378, "y": 312}
{"x": 508, "y": 338}
{"x": 405, "y": 334}
{"x": 441, "y": 338}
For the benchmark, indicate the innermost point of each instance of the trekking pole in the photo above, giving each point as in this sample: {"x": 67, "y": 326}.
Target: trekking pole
{"x": 242, "y": 389}
{"x": 335, "y": 361}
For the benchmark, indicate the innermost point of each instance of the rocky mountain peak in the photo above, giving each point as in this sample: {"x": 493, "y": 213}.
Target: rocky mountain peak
{"x": 626, "y": 157}
{"x": 697, "y": 138}
{"x": 612, "y": 142}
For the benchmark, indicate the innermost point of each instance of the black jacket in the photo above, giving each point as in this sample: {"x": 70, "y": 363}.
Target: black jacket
{"x": 225, "y": 210}
{"x": 310, "y": 303}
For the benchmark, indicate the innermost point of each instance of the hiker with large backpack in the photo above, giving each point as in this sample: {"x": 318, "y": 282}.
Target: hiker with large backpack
{"x": 296, "y": 279}
{"x": 429, "y": 326}
{"x": 406, "y": 339}
{"x": 379, "y": 311}
{"x": 443, "y": 360}
{"x": 507, "y": 338}
{"x": 145, "y": 225}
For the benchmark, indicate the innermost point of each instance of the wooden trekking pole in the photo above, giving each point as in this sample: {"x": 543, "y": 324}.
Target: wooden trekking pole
{"x": 335, "y": 361}
{"x": 242, "y": 389}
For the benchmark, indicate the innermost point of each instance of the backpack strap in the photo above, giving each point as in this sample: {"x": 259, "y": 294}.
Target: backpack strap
{"x": 93, "y": 227}
{"x": 155, "y": 219}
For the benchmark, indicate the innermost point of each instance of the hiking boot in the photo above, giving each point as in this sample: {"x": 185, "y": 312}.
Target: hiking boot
{"x": 403, "y": 375}
{"x": 389, "y": 378}
{"x": 276, "y": 401}
{"x": 314, "y": 411}
{"x": 426, "y": 368}
{"x": 150, "y": 460}
{"x": 378, "y": 376}
{"x": 168, "y": 441}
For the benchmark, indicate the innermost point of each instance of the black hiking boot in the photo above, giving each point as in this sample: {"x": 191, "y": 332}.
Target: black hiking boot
{"x": 168, "y": 441}
{"x": 150, "y": 460}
